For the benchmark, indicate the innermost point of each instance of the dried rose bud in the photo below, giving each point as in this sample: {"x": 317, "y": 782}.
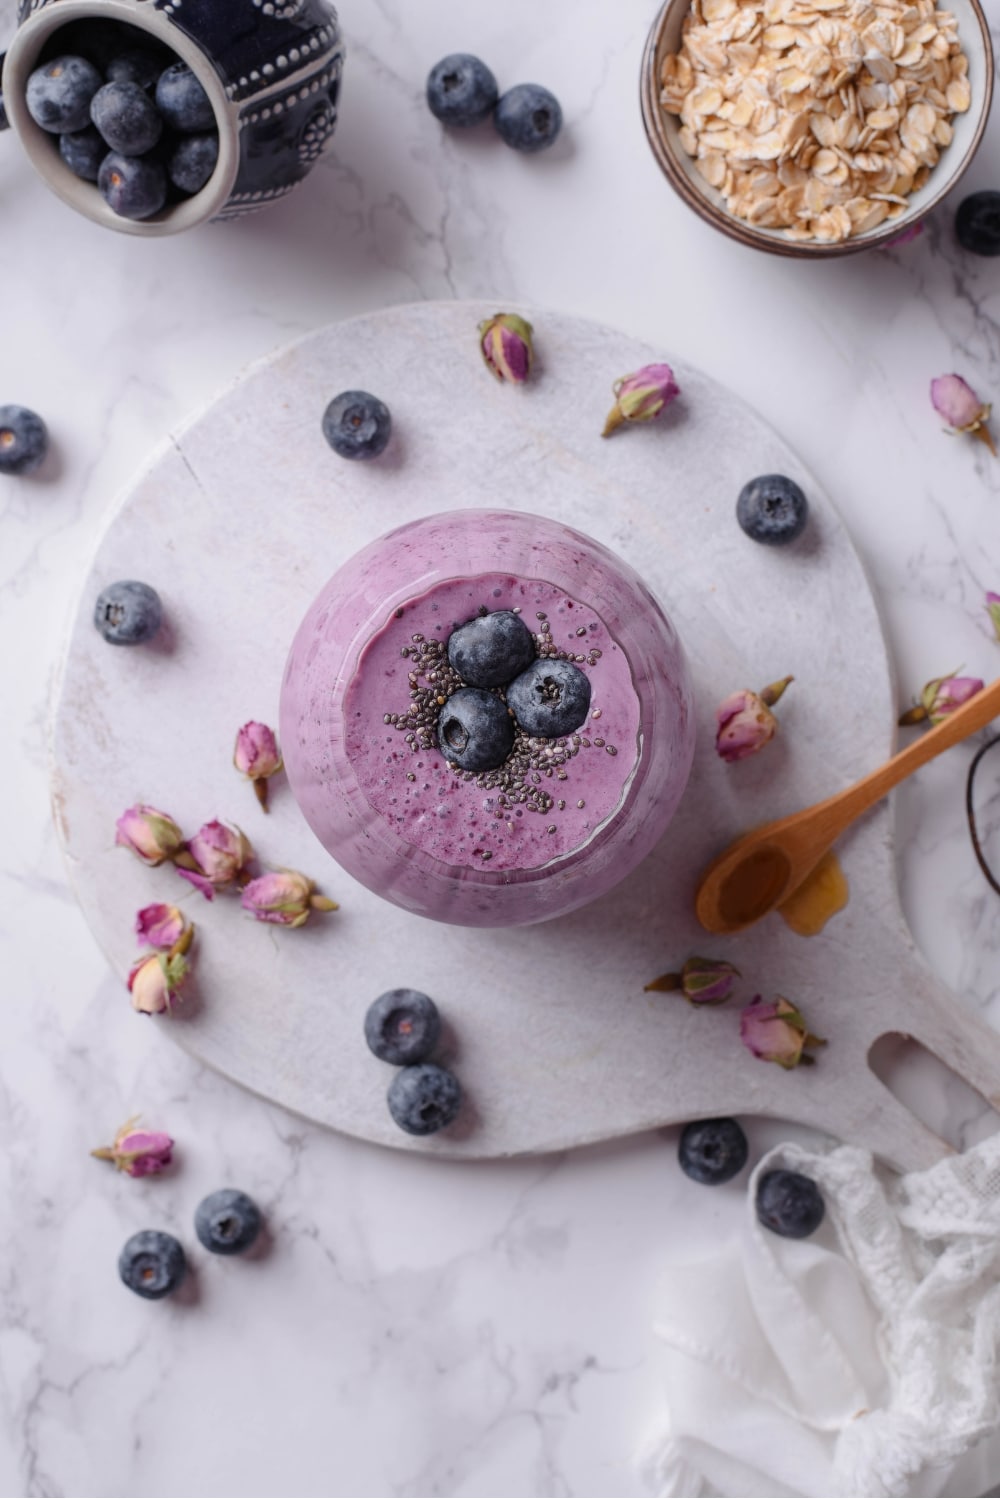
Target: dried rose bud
{"x": 156, "y": 980}
{"x": 642, "y": 396}
{"x": 215, "y": 857}
{"x": 911, "y": 232}
{"x": 940, "y": 697}
{"x": 777, "y": 1033}
{"x": 284, "y": 897}
{"x": 152, "y": 835}
{"x": 160, "y": 926}
{"x": 703, "y": 981}
{"x": 955, "y": 400}
{"x": 993, "y": 610}
{"x": 745, "y": 721}
{"x": 506, "y": 342}
{"x": 140, "y": 1153}
{"x": 257, "y": 756}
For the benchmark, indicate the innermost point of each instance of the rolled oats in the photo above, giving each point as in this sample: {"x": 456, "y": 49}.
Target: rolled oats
{"x": 817, "y": 117}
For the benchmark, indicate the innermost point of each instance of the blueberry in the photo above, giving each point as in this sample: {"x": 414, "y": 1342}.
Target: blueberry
{"x": 772, "y": 509}
{"x": 83, "y": 151}
{"x": 402, "y": 1026}
{"x": 152, "y": 1264}
{"x": 789, "y": 1204}
{"x": 712, "y": 1151}
{"x": 475, "y": 731}
{"x": 139, "y": 65}
{"x": 193, "y": 161}
{"x": 357, "y": 425}
{"x": 528, "y": 117}
{"x": 128, "y": 613}
{"x": 24, "y": 440}
{"x": 59, "y": 94}
{"x": 227, "y": 1222}
{"x": 977, "y": 223}
{"x": 132, "y": 186}
{"x": 550, "y": 699}
{"x": 424, "y": 1098}
{"x": 99, "y": 41}
{"x": 461, "y": 90}
{"x": 490, "y": 650}
{"x": 127, "y": 118}
{"x": 183, "y": 102}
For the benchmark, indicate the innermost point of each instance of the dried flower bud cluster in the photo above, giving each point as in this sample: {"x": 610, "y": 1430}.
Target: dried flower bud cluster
{"x": 816, "y": 117}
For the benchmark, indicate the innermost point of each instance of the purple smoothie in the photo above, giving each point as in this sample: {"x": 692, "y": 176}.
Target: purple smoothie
{"x": 473, "y": 849}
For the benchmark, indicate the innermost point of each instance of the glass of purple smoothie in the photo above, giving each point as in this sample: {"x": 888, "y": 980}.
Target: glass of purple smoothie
{"x": 367, "y": 703}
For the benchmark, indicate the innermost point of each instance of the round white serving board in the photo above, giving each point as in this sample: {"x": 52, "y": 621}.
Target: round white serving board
{"x": 240, "y": 520}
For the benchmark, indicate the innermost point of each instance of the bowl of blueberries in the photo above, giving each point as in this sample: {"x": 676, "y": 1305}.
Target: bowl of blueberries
{"x": 153, "y": 118}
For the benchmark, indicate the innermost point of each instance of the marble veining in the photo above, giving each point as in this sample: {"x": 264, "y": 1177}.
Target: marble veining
{"x": 508, "y": 1345}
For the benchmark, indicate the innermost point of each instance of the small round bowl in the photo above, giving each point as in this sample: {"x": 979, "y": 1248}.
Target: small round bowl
{"x": 663, "y": 130}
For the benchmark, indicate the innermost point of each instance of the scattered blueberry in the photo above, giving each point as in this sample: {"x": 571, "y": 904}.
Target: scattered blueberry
{"x": 528, "y": 117}
{"x": 789, "y": 1204}
{"x": 193, "y": 161}
{"x": 357, "y": 425}
{"x": 152, "y": 1264}
{"x": 491, "y": 649}
{"x": 59, "y": 94}
{"x": 24, "y": 440}
{"x": 83, "y": 151}
{"x": 402, "y": 1027}
{"x": 475, "y": 731}
{"x": 712, "y": 1151}
{"x": 977, "y": 223}
{"x": 424, "y": 1098}
{"x": 183, "y": 102}
{"x": 133, "y": 187}
{"x": 461, "y": 90}
{"x": 227, "y": 1222}
{"x": 140, "y": 65}
{"x": 128, "y": 613}
{"x": 127, "y": 118}
{"x": 550, "y": 699}
{"x": 772, "y": 509}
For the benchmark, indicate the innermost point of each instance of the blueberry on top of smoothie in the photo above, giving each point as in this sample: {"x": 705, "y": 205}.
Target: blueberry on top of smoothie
{"x": 475, "y": 731}
{"x": 491, "y": 649}
{"x": 550, "y": 699}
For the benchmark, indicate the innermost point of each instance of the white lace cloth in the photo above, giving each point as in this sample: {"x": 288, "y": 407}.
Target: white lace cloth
{"x": 861, "y": 1362}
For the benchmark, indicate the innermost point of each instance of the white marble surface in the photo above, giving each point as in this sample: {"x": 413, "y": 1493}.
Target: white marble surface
{"x": 417, "y": 1327}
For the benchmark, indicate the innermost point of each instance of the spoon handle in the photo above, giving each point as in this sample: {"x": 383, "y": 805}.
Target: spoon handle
{"x": 974, "y": 715}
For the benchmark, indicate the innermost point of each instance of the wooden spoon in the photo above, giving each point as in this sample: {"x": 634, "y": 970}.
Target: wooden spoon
{"x": 762, "y": 869}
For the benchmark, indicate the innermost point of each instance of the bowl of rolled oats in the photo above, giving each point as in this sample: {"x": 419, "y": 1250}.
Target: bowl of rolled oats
{"x": 816, "y": 127}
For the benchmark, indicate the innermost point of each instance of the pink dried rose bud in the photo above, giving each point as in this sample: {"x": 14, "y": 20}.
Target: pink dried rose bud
{"x": 777, "y": 1033}
{"x": 149, "y": 833}
{"x": 745, "y": 721}
{"x": 993, "y": 610}
{"x": 506, "y": 342}
{"x": 911, "y": 232}
{"x": 160, "y": 926}
{"x": 140, "y": 1153}
{"x": 641, "y": 397}
{"x": 155, "y": 982}
{"x": 703, "y": 981}
{"x": 955, "y": 400}
{"x": 257, "y": 756}
{"x": 285, "y": 898}
{"x": 940, "y": 697}
{"x": 216, "y": 856}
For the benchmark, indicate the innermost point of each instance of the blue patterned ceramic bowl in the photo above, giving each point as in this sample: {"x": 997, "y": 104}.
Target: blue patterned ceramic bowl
{"x": 272, "y": 70}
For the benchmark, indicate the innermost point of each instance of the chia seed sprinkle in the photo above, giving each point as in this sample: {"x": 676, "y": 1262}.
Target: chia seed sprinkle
{"x": 432, "y": 680}
{"x": 581, "y": 803}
